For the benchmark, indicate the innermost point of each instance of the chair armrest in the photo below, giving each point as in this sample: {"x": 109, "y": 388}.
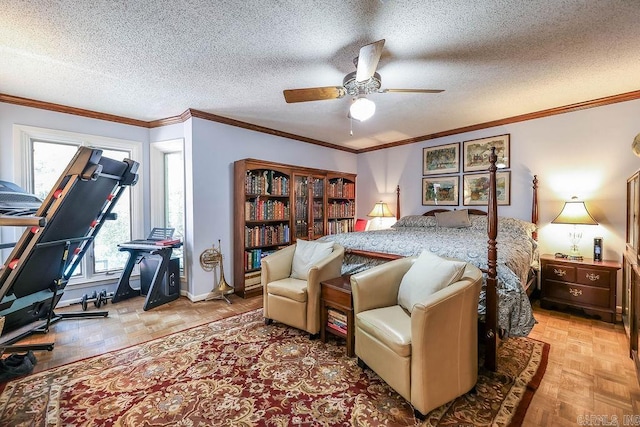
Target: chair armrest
{"x": 327, "y": 268}
{"x": 277, "y": 265}
{"x": 448, "y": 321}
{"x": 378, "y": 286}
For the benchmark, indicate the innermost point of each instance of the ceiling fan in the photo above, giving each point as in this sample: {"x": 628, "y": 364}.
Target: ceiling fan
{"x": 358, "y": 84}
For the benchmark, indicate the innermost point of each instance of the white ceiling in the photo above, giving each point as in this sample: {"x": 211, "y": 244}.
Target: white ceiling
{"x": 153, "y": 59}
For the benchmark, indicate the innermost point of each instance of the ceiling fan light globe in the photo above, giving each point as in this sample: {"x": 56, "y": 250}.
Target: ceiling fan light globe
{"x": 362, "y": 109}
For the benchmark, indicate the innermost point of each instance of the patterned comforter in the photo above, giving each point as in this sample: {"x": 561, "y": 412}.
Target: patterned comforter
{"x": 517, "y": 254}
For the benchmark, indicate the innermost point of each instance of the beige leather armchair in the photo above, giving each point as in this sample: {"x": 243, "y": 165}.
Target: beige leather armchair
{"x": 296, "y": 302}
{"x": 429, "y": 356}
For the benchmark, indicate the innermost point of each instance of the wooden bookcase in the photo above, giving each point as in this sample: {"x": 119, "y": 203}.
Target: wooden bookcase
{"x": 631, "y": 271}
{"x": 275, "y": 204}
{"x": 341, "y": 204}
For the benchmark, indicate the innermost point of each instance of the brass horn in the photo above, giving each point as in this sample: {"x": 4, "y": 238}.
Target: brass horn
{"x": 208, "y": 260}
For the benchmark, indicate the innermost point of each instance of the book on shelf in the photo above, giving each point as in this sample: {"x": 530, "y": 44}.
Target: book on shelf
{"x": 338, "y": 323}
{"x": 334, "y": 314}
{"x": 252, "y": 278}
{"x": 337, "y": 328}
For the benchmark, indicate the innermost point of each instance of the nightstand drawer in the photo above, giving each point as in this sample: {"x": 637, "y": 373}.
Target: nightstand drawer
{"x": 577, "y": 294}
{"x": 565, "y": 273}
{"x": 593, "y": 277}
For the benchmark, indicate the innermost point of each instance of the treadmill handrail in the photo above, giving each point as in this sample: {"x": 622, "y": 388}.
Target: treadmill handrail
{"x": 63, "y": 241}
{"x": 22, "y": 221}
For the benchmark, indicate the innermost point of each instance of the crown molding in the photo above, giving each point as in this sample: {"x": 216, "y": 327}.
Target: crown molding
{"x": 237, "y": 123}
{"x": 186, "y": 115}
{"x": 628, "y": 96}
{"x": 26, "y": 102}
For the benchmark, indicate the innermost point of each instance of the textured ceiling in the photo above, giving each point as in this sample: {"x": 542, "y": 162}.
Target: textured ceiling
{"x": 153, "y": 59}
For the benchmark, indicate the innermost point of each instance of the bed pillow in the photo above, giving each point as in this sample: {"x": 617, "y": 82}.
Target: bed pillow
{"x": 512, "y": 226}
{"x": 515, "y": 226}
{"x": 415, "y": 221}
{"x": 306, "y": 255}
{"x": 453, "y": 219}
{"x": 428, "y": 274}
{"x": 478, "y": 222}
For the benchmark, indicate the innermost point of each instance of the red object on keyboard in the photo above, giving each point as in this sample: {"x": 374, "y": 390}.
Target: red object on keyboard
{"x": 167, "y": 242}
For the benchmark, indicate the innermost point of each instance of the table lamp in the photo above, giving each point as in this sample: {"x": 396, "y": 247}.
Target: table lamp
{"x": 380, "y": 210}
{"x": 575, "y": 213}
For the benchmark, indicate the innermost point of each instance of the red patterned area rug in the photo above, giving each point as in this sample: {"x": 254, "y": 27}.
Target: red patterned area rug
{"x": 239, "y": 372}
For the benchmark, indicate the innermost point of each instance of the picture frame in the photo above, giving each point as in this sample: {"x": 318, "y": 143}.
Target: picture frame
{"x": 441, "y": 191}
{"x": 441, "y": 159}
{"x": 476, "y": 152}
{"x": 476, "y": 189}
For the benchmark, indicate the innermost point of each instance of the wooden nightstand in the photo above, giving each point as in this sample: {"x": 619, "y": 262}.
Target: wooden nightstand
{"x": 336, "y": 296}
{"x": 587, "y": 285}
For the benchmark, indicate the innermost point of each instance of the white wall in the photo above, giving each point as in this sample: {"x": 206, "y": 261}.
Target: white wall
{"x": 585, "y": 153}
{"x": 211, "y": 151}
{"x": 11, "y": 115}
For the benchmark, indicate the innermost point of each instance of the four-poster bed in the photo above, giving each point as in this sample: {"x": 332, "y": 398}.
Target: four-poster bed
{"x": 508, "y": 275}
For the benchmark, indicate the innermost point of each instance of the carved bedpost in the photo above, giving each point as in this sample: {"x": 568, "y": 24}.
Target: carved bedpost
{"x": 534, "y": 207}
{"x": 491, "y": 338}
{"x": 398, "y": 202}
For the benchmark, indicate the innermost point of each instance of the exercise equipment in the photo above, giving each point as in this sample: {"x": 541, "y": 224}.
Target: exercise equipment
{"x": 98, "y": 299}
{"x": 159, "y": 273}
{"x": 57, "y": 236}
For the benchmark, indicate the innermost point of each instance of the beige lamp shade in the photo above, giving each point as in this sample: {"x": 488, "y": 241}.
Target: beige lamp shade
{"x": 576, "y": 213}
{"x": 380, "y": 210}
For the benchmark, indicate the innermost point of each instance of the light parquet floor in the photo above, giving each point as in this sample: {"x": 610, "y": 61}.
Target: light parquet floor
{"x": 589, "y": 372}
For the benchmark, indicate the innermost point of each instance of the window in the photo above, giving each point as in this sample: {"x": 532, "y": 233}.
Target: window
{"x": 174, "y": 197}
{"x": 44, "y": 156}
{"x": 168, "y": 191}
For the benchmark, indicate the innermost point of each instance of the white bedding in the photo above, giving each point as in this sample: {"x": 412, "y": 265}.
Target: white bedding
{"x": 517, "y": 254}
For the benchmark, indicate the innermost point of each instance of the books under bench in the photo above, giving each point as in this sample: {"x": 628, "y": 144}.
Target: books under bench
{"x": 337, "y": 321}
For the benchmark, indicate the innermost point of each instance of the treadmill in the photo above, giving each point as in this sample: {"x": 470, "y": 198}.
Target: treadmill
{"x": 58, "y": 233}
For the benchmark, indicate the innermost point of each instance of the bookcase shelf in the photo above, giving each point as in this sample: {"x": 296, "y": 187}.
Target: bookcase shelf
{"x": 275, "y": 204}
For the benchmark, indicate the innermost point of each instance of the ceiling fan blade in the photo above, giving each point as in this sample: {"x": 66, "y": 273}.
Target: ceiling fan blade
{"x": 368, "y": 60}
{"x": 411, "y": 90}
{"x": 313, "y": 94}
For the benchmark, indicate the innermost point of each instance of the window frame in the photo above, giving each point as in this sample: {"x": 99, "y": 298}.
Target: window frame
{"x": 157, "y": 186}
{"x": 24, "y": 136}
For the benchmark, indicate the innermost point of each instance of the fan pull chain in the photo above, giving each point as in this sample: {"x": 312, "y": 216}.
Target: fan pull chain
{"x": 351, "y": 126}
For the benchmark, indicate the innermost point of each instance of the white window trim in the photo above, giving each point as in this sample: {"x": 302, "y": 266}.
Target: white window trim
{"x": 157, "y": 150}
{"x": 24, "y": 135}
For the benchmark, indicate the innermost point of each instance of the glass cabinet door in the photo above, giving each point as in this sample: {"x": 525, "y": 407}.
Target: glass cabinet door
{"x": 309, "y": 200}
{"x": 634, "y": 216}
{"x": 627, "y": 273}
{"x": 301, "y": 196}
{"x": 632, "y": 211}
{"x": 317, "y": 213}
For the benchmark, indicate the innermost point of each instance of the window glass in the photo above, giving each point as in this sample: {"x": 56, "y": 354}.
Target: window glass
{"x": 174, "y": 197}
{"x": 49, "y": 159}
{"x": 107, "y": 257}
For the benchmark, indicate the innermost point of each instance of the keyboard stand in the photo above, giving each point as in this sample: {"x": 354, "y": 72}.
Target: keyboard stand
{"x": 157, "y": 294}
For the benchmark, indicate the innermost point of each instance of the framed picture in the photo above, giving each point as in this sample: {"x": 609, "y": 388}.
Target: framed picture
{"x": 476, "y": 188}
{"x": 441, "y": 190}
{"x": 476, "y": 152}
{"x": 441, "y": 159}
